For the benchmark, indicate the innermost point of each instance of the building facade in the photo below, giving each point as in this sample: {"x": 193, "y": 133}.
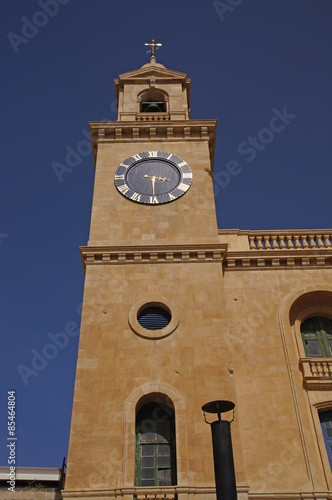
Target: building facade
{"x": 177, "y": 313}
{"x": 32, "y": 483}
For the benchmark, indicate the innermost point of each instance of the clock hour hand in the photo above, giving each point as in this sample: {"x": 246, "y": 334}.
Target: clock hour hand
{"x": 162, "y": 179}
{"x": 157, "y": 178}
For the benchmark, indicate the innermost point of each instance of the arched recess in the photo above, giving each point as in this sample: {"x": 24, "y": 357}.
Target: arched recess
{"x": 140, "y": 396}
{"x": 153, "y": 95}
{"x": 312, "y": 300}
{"x": 297, "y": 306}
{"x": 155, "y": 454}
{"x": 312, "y": 303}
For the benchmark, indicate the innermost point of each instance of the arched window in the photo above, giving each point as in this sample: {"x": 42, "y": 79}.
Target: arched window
{"x": 317, "y": 337}
{"x": 155, "y": 446}
{"x": 326, "y": 425}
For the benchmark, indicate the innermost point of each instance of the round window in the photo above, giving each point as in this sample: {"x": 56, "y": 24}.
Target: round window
{"x": 154, "y": 318}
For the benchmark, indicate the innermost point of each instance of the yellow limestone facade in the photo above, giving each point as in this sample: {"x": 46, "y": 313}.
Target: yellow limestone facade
{"x": 236, "y": 299}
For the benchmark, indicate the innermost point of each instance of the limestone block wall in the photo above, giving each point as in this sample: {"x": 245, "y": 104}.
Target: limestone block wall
{"x": 116, "y": 367}
{"x": 281, "y": 440}
{"x": 117, "y": 221}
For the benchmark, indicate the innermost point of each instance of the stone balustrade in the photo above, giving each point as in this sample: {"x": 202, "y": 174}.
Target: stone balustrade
{"x": 152, "y": 117}
{"x": 156, "y": 495}
{"x": 290, "y": 240}
{"x": 317, "y": 367}
{"x": 317, "y": 373}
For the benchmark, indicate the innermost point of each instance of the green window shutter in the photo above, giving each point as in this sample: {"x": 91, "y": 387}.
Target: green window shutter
{"x": 317, "y": 337}
{"x": 155, "y": 446}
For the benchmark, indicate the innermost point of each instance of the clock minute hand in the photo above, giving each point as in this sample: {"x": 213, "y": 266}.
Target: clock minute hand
{"x": 153, "y": 180}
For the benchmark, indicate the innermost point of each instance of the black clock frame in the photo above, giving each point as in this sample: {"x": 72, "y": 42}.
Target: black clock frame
{"x": 177, "y": 189}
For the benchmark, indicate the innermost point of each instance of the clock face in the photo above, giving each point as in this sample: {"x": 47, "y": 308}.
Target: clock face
{"x": 153, "y": 177}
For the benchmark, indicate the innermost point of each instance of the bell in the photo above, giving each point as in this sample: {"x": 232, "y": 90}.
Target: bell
{"x": 153, "y": 107}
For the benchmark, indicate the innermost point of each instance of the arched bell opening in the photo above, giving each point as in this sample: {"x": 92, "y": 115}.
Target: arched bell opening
{"x": 153, "y": 101}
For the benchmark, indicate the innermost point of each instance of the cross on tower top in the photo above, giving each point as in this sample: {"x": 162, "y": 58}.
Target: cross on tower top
{"x": 153, "y": 47}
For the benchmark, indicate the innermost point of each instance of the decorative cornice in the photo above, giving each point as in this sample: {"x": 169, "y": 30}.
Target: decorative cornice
{"x": 148, "y": 254}
{"x": 274, "y": 259}
{"x": 146, "y": 131}
{"x": 147, "y": 71}
{"x": 232, "y": 261}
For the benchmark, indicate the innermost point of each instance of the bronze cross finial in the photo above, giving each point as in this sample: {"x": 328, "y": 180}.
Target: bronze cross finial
{"x": 154, "y": 46}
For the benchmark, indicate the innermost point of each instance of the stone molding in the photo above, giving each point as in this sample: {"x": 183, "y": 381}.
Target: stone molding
{"x": 156, "y": 493}
{"x": 149, "y": 71}
{"x": 232, "y": 261}
{"x": 147, "y": 254}
{"x": 189, "y": 493}
{"x": 138, "y": 131}
{"x": 274, "y": 259}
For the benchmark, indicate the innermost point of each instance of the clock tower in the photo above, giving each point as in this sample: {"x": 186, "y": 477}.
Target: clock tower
{"x": 154, "y": 341}
{"x": 177, "y": 314}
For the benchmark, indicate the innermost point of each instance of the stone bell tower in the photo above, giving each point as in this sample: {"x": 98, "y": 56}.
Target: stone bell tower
{"x": 154, "y": 341}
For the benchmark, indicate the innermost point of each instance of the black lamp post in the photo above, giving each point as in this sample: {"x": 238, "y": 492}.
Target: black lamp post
{"x": 222, "y": 449}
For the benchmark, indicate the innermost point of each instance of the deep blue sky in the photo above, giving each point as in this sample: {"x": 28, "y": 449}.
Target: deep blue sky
{"x": 259, "y": 56}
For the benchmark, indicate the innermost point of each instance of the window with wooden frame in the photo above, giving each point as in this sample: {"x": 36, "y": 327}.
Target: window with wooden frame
{"x": 317, "y": 337}
{"x": 155, "y": 446}
{"x": 326, "y": 425}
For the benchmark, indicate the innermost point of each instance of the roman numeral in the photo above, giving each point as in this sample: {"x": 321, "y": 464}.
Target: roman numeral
{"x": 183, "y": 187}
{"x": 123, "y": 165}
{"x": 153, "y": 154}
{"x": 171, "y": 197}
{"x": 169, "y": 157}
{"x": 123, "y": 189}
{"x": 182, "y": 164}
{"x": 118, "y": 177}
{"x": 187, "y": 175}
{"x": 137, "y": 157}
{"x": 135, "y": 197}
{"x": 153, "y": 199}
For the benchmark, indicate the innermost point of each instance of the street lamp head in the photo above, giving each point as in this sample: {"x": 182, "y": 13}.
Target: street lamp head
{"x": 219, "y": 406}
